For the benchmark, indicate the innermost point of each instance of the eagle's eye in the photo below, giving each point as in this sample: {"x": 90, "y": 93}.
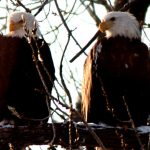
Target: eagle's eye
{"x": 112, "y": 19}
{"x": 20, "y": 21}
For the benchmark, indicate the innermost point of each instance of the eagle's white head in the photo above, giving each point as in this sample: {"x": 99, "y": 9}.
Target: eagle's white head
{"x": 120, "y": 23}
{"x": 18, "y": 21}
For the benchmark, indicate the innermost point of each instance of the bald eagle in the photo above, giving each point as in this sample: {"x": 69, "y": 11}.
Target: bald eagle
{"x": 24, "y": 98}
{"x": 116, "y": 82}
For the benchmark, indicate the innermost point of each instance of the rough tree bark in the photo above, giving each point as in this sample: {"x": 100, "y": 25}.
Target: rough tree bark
{"x": 23, "y": 136}
{"x": 137, "y": 7}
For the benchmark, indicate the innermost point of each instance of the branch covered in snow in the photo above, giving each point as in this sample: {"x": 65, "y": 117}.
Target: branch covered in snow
{"x": 23, "y": 136}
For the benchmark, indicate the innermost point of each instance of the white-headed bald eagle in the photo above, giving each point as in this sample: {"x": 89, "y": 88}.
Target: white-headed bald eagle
{"x": 116, "y": 84}
{"x": 24, "y": 90}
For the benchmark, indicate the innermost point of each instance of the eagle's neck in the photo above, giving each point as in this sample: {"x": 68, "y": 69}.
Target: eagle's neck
{"x": 22, "y": 33}
{"x": 123, "y": 33}
{"x": 18, "y": 33}
{"x": 121, "y": 38}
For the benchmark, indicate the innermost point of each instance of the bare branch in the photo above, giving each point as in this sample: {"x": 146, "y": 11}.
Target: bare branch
{"x": 91, "y": 12}
{"x": 81, "y": 136}
{"x": 65, "y": 24}
{"x": 23, "y": 6}
{"x": 41, "y": 8}
{"x": 97, "y": 34}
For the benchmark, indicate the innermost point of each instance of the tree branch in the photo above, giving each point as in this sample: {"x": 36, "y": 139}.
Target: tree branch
{"x": 97, "y": 34}
{"x": 41, "y": 135}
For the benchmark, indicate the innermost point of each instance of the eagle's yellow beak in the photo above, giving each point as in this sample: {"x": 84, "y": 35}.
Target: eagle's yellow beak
{"x": 13, "y": 26}
{"x": 105, "y": 25}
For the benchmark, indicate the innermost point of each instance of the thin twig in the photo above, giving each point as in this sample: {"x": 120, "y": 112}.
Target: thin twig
{"x": 44, "y": 85}
{"x": 91, "y": 12}
{"x": 41, "y": 7}
{"x": 23, "y": 6}
{"x": 61, "y": 75}
{"x": 97, "y": 34}
{"x": 111, "y": 6}
{"x": 98, "y": 140}
{"x": 132, "y": 124}
{"x": 65, "y": 24}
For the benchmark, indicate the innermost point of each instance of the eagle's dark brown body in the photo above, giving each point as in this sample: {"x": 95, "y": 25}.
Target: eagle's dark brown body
{"x": 20, "y": 83}
{"x": 7, "y": 61}
{"x": 120, "y": 71}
